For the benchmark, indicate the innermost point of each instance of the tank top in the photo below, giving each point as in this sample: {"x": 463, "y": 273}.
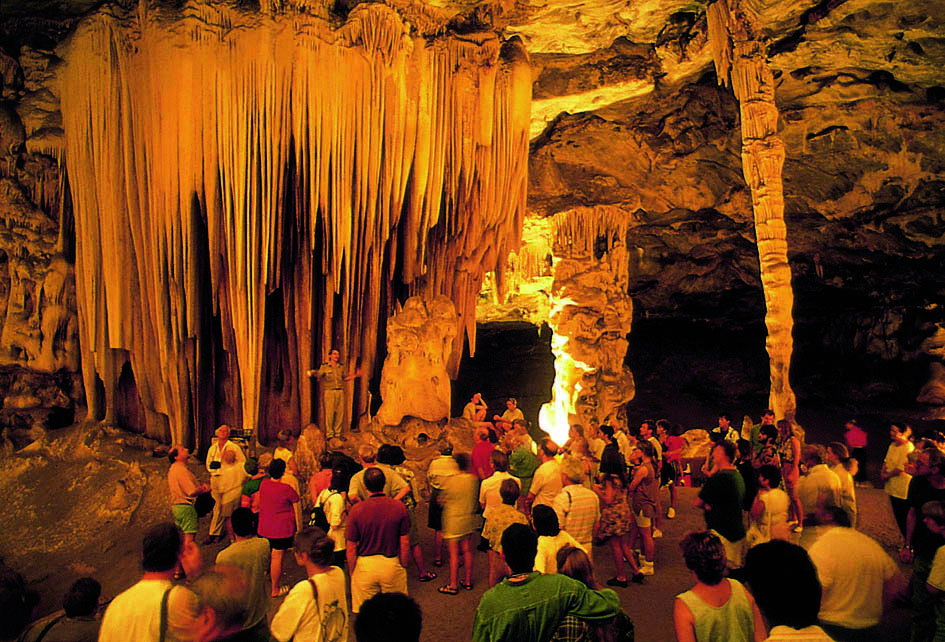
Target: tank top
{"x": 734, "y": 621}
{"x": 786, "y": 450}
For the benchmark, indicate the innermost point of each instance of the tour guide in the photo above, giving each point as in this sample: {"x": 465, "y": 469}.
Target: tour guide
{"x": 333, "y": 394}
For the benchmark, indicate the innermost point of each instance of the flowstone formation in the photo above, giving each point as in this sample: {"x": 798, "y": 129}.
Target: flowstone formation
{"x": 591, "y": 314}
{"x": 251, "y": 190}
{"x": 415, "y": 381}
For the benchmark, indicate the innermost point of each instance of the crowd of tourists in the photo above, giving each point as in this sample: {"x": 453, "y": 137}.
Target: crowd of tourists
{"x": 541, "y": 512}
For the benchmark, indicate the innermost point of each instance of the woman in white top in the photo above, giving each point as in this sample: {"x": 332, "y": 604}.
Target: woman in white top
{"x": 838, "y": 458}
{"x": 316, "y": 609}
{"x": 551, "y": 539}
{"x": 333, "y": 501}
{"x": 895, "y": 478}
{"x": 768, "y": 517}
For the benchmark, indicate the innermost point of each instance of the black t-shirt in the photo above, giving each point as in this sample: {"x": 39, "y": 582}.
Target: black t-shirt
{"x": 750, "y": 477}
{"x": 724, "y": 492}
{"x": 924, "y": 541}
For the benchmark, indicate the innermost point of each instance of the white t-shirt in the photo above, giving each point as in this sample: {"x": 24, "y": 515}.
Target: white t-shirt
{"x": 896, "y": 458}
{"x": 135, "y": 614}
{"x": 852, "y": 568}
{"x": 299, "y": 617}
{"x": 489, "y": 496}
{"x": 333, "y": 503}
{"x": 546, "y": 483}
{"x": 548, "y": 547}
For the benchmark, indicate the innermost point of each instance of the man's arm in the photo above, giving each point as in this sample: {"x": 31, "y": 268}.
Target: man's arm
{"x": 351, "y": 552}
{"x": 404, "y": 550}
{"x": 588, "y": 604}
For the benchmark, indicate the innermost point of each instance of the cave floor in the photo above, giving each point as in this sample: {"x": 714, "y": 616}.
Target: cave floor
{"x": 87, "y": 540}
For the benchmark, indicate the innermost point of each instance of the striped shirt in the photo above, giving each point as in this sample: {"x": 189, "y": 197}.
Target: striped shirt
{"x": 578, "y": 510}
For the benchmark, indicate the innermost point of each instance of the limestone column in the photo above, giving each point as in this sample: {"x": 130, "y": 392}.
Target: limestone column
{"x": 740, "y": 58}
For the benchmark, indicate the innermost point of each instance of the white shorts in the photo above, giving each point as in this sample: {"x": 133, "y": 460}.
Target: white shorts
{"x": 376, "y": 574}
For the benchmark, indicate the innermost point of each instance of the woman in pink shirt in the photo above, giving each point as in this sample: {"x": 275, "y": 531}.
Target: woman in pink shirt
{"x": 277, "y": 521}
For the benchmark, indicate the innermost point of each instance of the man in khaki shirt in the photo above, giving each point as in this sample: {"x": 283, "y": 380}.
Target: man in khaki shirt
{"x": 332, "y": 378}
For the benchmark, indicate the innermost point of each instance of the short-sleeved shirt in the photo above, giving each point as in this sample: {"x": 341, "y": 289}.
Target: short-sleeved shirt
{"x": 393, "y": 483}
{"x": 182, "y": 483}
{"x": 332, "y": 375}
{"x": 924, "y": 542}
{"x": 251, "y": 556}
{"x": 547, "y": 483}
{"x": 512, "y": 415}
{"x": 276, "y": 509}
{"x": 896, "y": 458}
{"x": 376, "y": 526}
{"x": 853, "y": 570}
{"x": 482, "y": 459}
{"x": 578, "y": 510}
{"x": 489, "y": 496}
{"x": 440, "y": 468}
{"x": 724, "y": 492}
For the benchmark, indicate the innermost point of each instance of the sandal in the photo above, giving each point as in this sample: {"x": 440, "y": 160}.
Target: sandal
{"x": 448, "y": 590}
{"x": 426, "y": 577}
{"x": 284, "y": 589}
{"x": 466, "y": 586}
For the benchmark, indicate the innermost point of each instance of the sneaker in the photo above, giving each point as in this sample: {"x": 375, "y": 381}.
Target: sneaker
{"x": 657, "y": 533}
{"x": 637, "y": 578}
{"x": 647, "y": 568}
{"x": 671, "y": 513}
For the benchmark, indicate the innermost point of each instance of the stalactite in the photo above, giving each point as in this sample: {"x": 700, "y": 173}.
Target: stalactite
{"x": 591, "y": 314}
{"x": 392, "y": 139}
{"x": 740, "y": 57}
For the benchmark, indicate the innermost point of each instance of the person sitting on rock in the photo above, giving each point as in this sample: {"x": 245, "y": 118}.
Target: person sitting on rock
{"x": 504, "y": 423}
{"x": 476, "y": 409}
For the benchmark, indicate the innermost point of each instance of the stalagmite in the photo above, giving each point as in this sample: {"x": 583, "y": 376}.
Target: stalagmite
{"x": 740, "y": 59}
{"x": 414, "y": 381}
{"x": 247, "y": 187}
{"x": 591, "y": 314}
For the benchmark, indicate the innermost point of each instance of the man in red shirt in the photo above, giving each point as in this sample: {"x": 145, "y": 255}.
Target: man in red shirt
{"x": 378, "y": 542}
{"x": 482, "y": 454}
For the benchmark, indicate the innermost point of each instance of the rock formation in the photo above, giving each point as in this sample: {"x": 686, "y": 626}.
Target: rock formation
{"x": 740, "y": 55}
{"x": 233, "y": 208}
{"x": 590, "y": 316}
{"x": 415, "y": 381}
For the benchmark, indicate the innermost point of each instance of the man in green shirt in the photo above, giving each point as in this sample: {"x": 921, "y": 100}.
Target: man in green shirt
{"x": 529, "y": 606}
{"x": 721, "y": 500}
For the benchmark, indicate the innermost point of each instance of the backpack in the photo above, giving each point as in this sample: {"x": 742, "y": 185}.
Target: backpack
{"x": 319, "y": 519}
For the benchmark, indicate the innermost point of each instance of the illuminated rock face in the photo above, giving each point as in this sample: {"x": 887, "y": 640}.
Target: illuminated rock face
{"x": 238, "y": 213}
{"x": 591, "y": 314}
{"x": 415, "y": 381}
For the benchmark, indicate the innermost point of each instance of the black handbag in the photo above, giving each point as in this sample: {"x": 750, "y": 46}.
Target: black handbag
{"x": 204, "y": 504}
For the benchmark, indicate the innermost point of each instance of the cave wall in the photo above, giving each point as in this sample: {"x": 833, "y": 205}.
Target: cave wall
{"x": 864, "y": 201}
{"x": 39, "y": 357}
